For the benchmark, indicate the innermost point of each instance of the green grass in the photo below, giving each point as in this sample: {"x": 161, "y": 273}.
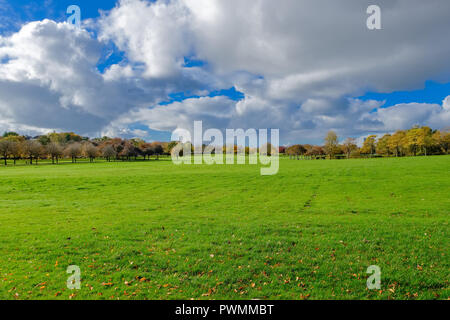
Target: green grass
{"x": 152, "y": 230}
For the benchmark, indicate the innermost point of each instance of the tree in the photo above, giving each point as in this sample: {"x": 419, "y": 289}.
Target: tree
{"x": 172, "y": 145}
{"x": 128, "y": 151}
{"x": 369, "y": 146}
{"x": 295, "y": 151}
{"x": 266, "y": 149}
{"x": 55, "y": 151}
{"x": 73, "y": 151}
{"x": 443, "y": 140}
{"x": 412, "y": 141}
{"x": 383, "y": 145}
{"x": 157, "y": 149}
{"x": 32, "y": 149}
{"x": 426, "y": 140}
{"x": 349, "y": 146}
{"x": 10, "y": 134}
{"x": 331, "y": 143}
{"x": 109, "y": 152}
{"x": 16, "y": 150}
{"x": 316, "y": 152}
{"x": 5, "y": 149}
{"x": 147, "y": 149}
{"x": 396, "y": 142}
{"x": 90, "y": 151}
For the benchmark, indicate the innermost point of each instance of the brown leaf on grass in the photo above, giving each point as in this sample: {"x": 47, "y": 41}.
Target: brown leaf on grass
{"x": 207, "y": 294}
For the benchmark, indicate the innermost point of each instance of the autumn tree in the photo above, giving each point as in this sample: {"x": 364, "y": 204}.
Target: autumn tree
{"x": 73, "y": 151}
{"x": 266, "y": 149}
{"x": 442, "y": 139}
{"x": 128, "y": 151}
{"x": 16, "y": 149}
{"x": 55, "y": 151}
{"x": 158, "y": 149}
{"x": 10, "y": 134}
{"x": 5, "y": 149}
{"x": 146, "y": 149}
{"x": 369, "y": 146}
{"x": 331, "y": 144}
{"x": 396, "y": 142}
{"x": 412, "y": 140}
{"x": 382, "y": 146}
{"x": 108, "y": 152}
{"x": 317, "y": 152}
{"x": 425, "y": 139}
{"x": 90, "y": 151}
{"x": 349, "y": 146}
{"x": 33, "y": 150}
{"x": 296, "y": 151}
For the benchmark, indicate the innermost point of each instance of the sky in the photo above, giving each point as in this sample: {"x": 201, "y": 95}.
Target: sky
{"x": 140, "y": 68}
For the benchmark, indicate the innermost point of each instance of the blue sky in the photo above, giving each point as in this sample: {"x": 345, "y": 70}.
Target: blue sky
{"x": 239, "y": 80}
{"x": 26, "y": 10}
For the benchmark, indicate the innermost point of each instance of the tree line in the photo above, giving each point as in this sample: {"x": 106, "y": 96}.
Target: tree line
{"x": 56, "y": 146}
{"x": 413, "y": 142}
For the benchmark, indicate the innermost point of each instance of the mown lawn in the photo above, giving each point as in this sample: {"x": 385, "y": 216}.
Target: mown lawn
{"x": 152, "y": 230}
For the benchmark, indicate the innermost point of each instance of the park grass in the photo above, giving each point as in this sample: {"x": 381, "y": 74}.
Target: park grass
{"x": 153, "y": 230}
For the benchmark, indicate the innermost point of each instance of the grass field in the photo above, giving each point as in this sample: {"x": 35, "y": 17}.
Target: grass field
{"x": 152, "y": 230}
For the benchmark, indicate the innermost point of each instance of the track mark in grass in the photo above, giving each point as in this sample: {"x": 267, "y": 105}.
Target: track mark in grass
{"x": 308, "y": 203}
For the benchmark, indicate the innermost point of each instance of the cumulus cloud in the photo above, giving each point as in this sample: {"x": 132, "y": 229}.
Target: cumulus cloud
{"x": 49, "y": 79}
{"x": 297, "y": 62}
{"x": 215, "y": 112}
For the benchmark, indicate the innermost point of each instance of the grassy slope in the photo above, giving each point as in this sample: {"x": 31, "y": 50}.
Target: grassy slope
{"x": 154, "y": 230}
